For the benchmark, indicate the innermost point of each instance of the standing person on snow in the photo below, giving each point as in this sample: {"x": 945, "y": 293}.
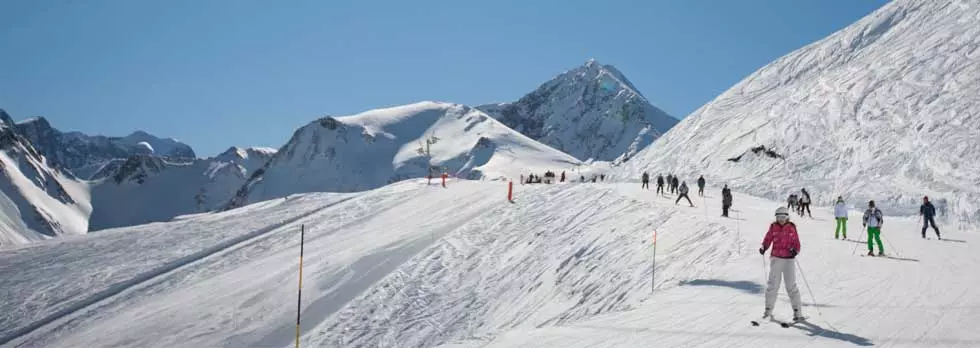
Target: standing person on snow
{"x": 726, "y": 200}
{"x": 701, "y": 186}
{"x": 683, "y": 194}
{"x": 805, "y": 203}
{"x": 785, "y": 243}
{"x": 928, "y": 212}
{"x": 673, "y": 186}
{"x": 646, "y": 181}
{"x": 840, "y": 214}
{"x": 562, "y": 176}
{"x": 873, "y": 220}
{"x": 791, "y": 201}
{"x": 660, "y": 184}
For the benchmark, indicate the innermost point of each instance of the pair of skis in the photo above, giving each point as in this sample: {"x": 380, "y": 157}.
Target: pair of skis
{"x": 783, "y": 324}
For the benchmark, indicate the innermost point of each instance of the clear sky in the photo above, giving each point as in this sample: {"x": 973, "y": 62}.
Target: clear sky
{"x": 249, "y": 72}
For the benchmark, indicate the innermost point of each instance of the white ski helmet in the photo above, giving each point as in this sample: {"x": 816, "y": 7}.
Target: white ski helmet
{"x": 782, "y": 211}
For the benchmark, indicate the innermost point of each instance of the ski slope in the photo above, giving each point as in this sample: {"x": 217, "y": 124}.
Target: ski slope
{"x": 884, "y": 109}
{"x": 414, "y": 265}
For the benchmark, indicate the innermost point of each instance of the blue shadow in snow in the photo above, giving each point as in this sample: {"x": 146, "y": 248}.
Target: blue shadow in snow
{"x": 743, "y": 285}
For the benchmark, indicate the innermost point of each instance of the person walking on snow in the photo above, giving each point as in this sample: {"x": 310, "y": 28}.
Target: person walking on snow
{"x": 701, "y": 186}
{"x": 683, "y": 194}
{"x": 928, "y": 212}
{"x": 660, "y": 184}
{"x": 726, "y": 200}
{"x": 785, "y": 244}
{"x": 562, "y": 176}
{"x": 873, "y": 221}
{"x": 791, "y": 201}
{"x": 444, "y": 176}
{"x": 840, "y": 214}
{"x": 673, "y": 186}
{"x": 646, "y": 181}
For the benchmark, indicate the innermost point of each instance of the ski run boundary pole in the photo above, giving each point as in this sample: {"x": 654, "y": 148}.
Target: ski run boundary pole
{"x": 299, "y": 293}
{"x": 653, "y": 273}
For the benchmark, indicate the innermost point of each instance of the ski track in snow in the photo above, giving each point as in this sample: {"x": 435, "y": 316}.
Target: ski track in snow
{"x": 413, "y": 265}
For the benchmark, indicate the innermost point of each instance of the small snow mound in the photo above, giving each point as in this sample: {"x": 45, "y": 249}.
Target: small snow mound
{"x": 144, "y": 148}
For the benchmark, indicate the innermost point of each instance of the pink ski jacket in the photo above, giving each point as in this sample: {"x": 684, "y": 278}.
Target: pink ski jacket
{"x": 782, "y": 238}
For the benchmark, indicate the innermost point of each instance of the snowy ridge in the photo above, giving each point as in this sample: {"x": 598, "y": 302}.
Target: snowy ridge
{"x": 84, "y": 155}
{"x": 143, "y": 189}
{"x": 36, "y": 201}
{"x": 592, "y": 111}
{"x": 378, "y": 147}
{"x": 885, "y": 109}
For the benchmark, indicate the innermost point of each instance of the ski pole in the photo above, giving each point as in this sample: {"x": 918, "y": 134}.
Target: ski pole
{"x": 812, "y": 298}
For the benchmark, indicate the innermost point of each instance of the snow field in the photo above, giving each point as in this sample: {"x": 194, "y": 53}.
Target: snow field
{"x": 415, "y": 265}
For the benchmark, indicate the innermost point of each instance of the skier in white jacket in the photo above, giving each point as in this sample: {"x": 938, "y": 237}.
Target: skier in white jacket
{"x": 840, "y": 213}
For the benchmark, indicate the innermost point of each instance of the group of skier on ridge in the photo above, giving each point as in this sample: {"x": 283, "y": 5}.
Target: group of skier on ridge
{"x": 782, "y": 239}
{"x": 674, "y": 185}
{"x": 784, "y": 242}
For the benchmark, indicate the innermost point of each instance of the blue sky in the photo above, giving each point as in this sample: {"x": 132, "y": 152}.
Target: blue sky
{"x": 249, "y": 72}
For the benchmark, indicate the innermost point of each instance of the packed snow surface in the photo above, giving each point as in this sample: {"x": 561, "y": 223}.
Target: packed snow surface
{"x": 886, "y": 109}
{"x": 417, "y": 265}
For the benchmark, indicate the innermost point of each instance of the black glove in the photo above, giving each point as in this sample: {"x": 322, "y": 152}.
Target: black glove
{"x": 762, "y": 251}
{"x": 793, "y": 252}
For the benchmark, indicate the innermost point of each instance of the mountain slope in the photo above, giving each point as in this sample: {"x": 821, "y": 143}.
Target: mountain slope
{"x": 36, "y": 201}
{"x": 84, "y": 155}
{"x": 885, "y": 109}
{"x": 146, "y": 188}
{"x": 592, "y": 111}
{"x": 563, "y": 266}
{"x": 378, "y": 147}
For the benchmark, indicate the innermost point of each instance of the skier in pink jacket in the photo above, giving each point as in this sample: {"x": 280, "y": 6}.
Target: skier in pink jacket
{"x": 785, "y": 244}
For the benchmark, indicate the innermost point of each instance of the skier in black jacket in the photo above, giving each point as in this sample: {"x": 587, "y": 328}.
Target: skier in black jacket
{"x": 646, "y": 181}
{"x": 674, "y": 185}
{"x": 928, "y": 212}
{"x": 726, "y": 200}
{"x": 660, "y": 184}
{"x": 701, "y": 186}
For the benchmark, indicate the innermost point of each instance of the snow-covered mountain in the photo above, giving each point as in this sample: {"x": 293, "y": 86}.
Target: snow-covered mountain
{"x": 36, "y": 200}
{"x": 147, "y": 188}
{"x": 887, "y": 108}
{"x": 84, "y": 155}
{"x": 591, "y": 111}
{"x": 378, "y": 147}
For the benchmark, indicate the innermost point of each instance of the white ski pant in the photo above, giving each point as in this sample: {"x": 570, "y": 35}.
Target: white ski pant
{"x": 782, "y": 269}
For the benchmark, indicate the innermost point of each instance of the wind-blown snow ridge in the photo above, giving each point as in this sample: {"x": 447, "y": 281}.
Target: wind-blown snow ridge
{"x": 84, "y": 155}
{"x": 378, "y": 147}
{"x": 592, "y": 111}
{"x": 885, "y": 109}
{"x": 37, "y": 200}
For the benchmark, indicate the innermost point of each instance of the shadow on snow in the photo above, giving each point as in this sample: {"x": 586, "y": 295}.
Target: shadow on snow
{"x": 743, "y": 285}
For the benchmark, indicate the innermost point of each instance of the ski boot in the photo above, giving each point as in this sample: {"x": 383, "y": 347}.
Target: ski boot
{"x": 767, "y": 314}
{"x": 871, "y": 253}
{"x": 798, "y": 315}
{"x": 881, "y": 253}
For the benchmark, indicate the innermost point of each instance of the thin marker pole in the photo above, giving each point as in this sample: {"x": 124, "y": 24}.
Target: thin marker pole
{"x": 299, "y": 294}
{"x": 653, "y": 275}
